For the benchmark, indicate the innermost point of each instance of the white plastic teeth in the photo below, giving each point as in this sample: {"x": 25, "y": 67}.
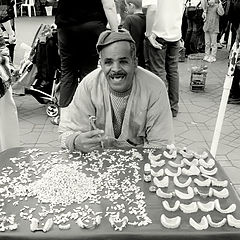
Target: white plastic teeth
{"x": 188, "y": 195}
{"x": 172, "y": 174}
{"x": 202, "y": 225}
{"x": 208, "y": 172}
{"x": 157, "y": 164}
{"x": 206, "y": 207}
{"x": 171, "y": 147}
{"x": 190, "y": 163}
{"x": 80, "y": 223}
{"x": 170, "y": 222}
{"x": 185, "y": 153}
{"x": 216, "y": 224}
{"x": 160, "y": 193}
{"x": 171, "y": 209}
{"x": 147, "y": 168}
{"x": 204, "y": 195}
{"x": 161, "y": 183}
{"x": 48, "y": 225}
{"x": 192, "y": 171}
{"x": 207, "y": 164}
{"x": 204, "y": 155}
{"x": 153, "y": 157}
{"x": 217, "y": 183}
{"x": 34, "y": 224}
{"x": 176, "y": 165}
{"x": 180, "y": 184}
{"x": 159, "y": 173}
{"x": 64, "y": 226}
{"x": 172, "y": 155}
{"x": 224, "y": 193}
{"x": 189, "y": 208}
{"x": 204, "y": 183}
{"x": 230, "y": 209}
{"x": 232, "y": 221}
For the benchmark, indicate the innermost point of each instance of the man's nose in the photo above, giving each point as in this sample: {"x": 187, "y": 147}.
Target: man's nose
{"x": 116, "y": 66}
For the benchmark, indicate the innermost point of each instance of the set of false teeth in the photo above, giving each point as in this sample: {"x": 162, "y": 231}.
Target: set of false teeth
{"x": 191, "y": 192}
{"x": 195, "y": 206}
{"x": 204, "y": 223}
{"x": 164, "y": 182}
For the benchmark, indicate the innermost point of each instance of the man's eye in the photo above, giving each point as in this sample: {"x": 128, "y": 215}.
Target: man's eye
{"x": 108, "y": 62}
{"x": 124, "y": 62}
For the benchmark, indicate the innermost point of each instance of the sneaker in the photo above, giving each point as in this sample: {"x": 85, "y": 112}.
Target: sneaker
{"x": 233, "y": 100}
{"x": 206, "y": 57}
{"x": 219, "y": 46}
{"x": 212, "y": 59}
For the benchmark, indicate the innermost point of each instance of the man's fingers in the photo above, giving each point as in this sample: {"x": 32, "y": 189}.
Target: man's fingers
{"x": 93, "y": 133}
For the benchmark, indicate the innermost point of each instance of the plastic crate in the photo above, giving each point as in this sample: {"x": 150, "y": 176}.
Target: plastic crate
{"x": 181, "y": 56}
{"x": 198, "y": 80}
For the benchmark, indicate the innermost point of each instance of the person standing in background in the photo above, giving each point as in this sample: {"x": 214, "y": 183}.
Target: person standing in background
{"x": 79, "y": 24}
{"x": 194, "y": 39}
{"x": 8, "y": 25}
{"x": 135, "y": 23}
{"x": 212, "y": 10}
{"x": 163, "y": 32}
{"x": 9, "y": 127}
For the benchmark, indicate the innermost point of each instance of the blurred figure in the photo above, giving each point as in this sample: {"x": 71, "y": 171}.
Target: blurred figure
{"x": 135, "y": 23}
{"x": 234, "y": 17}
{"x": 9, "y": 128}
{"x": 212, "y": 10}
{"x": 163, "y": 31}
{"x": 79, "y": 24}
{"x": 194, "y": 39}
{"x": 8, "y": 25}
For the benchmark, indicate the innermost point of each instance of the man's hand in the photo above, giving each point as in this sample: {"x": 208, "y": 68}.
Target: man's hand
{"x": 154, "y": 42}
{"x": 89, "y": 141}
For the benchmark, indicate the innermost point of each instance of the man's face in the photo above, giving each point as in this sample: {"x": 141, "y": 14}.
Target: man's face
{"x": 118, "y": 66}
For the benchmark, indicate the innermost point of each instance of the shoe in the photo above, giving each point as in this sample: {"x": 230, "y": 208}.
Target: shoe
{"x": 212, "y": 59}
{"x": 219, "y": 46}
{"x": 206, "y": 57}
{"x": 174, "y": 114}
{"x": 55, "y": 120}
{"x": 233, "y": 100}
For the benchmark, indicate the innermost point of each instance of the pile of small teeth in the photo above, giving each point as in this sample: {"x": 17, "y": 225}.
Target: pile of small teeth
{"x": 62, "y": 184}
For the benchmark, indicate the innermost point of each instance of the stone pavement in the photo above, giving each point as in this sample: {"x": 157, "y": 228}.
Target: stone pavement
{"x": 194, "y": 125}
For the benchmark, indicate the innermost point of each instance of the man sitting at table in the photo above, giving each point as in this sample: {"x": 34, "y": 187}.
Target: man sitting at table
{"x": 130, "y": 104}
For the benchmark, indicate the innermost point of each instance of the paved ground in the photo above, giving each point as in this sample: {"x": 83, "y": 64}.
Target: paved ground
{"x": 194, "y": 125}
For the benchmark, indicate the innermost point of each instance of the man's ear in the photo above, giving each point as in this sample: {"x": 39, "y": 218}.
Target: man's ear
{"x": 136, "y": 61}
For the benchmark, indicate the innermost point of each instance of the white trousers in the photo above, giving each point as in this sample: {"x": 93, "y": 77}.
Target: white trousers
{"x": 9, "y": 127}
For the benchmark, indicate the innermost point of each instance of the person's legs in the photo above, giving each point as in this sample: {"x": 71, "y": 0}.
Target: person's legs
{"x": 207, "y": 46}
{"x": 188, "y": 36}
{"x": 234, "y": 96}
{"x": 213, "y": 37}
{"x": 172, "y": 75}
{"x": 157, "y": 59}
{"x": 68, "y": 83}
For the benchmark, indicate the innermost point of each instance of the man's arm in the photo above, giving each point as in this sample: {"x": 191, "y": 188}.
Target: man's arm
{"x": 159, "y": 126}
{"x": 111, "y": 13}
{"x": 75, "y": 128}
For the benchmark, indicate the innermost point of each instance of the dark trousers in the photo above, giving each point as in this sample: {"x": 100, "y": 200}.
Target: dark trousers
{"x": 235, "y": 89}
{"x": 77, "y": 47}
{"x": 164, "y": 63}
{"x": 194, "y": 40}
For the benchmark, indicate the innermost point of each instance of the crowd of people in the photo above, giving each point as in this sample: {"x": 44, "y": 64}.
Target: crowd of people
{"x": 126, "y": 77}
